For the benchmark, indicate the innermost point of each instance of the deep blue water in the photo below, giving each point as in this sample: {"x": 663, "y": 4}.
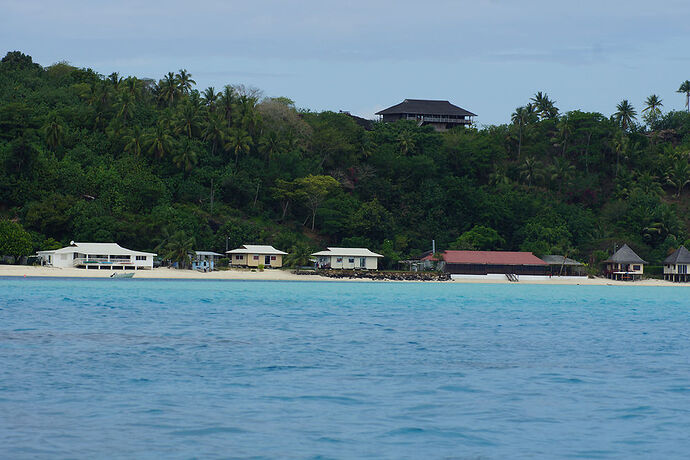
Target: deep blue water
{"x": 225, "y": 369}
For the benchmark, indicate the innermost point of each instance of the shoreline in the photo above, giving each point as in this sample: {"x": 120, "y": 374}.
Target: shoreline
{"x": 22, "y": 271}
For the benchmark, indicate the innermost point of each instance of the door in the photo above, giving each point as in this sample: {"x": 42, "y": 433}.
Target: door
{"x": 363, "y": 262}
{"x": 267, "y": 260}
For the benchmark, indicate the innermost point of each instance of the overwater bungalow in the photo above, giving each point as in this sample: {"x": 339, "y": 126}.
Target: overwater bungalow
{"x": 108, "y": 256}
{"x": 676, "y": 266}
{"x": 563, "y": 266}
{"x": 253, "y": 255}
{"x": 347, "y": 258}
{"x": 624, "y": 265}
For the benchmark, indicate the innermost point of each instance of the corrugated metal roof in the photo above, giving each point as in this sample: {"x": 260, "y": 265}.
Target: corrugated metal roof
{"x": 625, "y": 255}
{"x": 426, "y": 107}
{"x": 558, "y": 260}
{"x": 257, "y": 249}
{"x": 679, "y": 256}
{"x": 207, "y": 253}
{"x": 492, "y": 258}
{"x": 347, "y": 252}
{"x": 97, "y": 249}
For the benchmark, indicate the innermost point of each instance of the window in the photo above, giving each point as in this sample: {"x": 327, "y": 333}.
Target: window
{"x": 256, "y": 257}
{"x": 636, "y": 268}
{"x": 273, "y": 257}
{"x": 339, "y": 259}
{"x": 141, "y": 257}
{"x": 351, "y": 260}
{"x": 239, "y": 257}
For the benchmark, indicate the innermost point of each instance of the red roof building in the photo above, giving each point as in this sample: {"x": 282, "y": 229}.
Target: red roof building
{"x": 501, "y": 262}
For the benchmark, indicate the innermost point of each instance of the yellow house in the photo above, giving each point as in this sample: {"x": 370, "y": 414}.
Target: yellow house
{"x": 252, "y": 255}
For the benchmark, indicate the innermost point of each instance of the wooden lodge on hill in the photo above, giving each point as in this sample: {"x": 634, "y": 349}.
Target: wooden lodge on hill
{"x": 624, "y": 265}
{"x": 492, "y": 262}
{"x": 442, "y": 115}
{"x": 676, "y": 265}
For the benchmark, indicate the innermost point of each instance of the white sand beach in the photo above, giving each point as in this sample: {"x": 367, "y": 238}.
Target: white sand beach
{"x": 286, "y": 275}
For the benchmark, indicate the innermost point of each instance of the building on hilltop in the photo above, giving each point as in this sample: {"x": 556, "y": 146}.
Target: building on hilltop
{"x": 442, "y": 115}
{"x": 624, "y": 265}
{"x": 676, "y": 265}
{"x": 109, "y": 256}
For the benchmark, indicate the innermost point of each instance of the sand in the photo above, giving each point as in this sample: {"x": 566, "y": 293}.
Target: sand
{"x": 286, "y": 275}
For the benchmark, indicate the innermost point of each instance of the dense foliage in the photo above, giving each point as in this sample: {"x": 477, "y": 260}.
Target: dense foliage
{"x": 162, "y": 166}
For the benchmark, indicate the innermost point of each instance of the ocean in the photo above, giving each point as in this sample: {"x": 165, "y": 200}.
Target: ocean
{"x": 101, "y": 368}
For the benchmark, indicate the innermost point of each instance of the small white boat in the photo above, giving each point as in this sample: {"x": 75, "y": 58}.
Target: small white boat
{"x": 122, "y": 275}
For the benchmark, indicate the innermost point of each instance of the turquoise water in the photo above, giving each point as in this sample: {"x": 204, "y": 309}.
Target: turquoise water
{"x": 206, "y": 369}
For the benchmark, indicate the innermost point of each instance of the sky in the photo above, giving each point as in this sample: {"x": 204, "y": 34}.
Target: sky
{"x": 487, "y": 56}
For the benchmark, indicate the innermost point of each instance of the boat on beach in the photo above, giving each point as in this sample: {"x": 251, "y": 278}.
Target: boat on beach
{"x": 122, "y": 275}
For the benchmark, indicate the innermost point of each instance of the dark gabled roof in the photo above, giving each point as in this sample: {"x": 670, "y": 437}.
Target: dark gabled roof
{"x": 679, "y": 256}
{"x": 558, "y": 260}
{"x": 625, "y": 255}
{"x": 426, "y": 107}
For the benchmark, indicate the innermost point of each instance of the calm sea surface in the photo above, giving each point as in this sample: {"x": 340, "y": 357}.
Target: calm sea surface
{"x": 224, "y": 369}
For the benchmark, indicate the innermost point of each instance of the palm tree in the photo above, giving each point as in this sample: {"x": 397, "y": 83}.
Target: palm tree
{"x": 620, "y": 145}
{"x": 652, "y": 108}
{"x": 158, "y": 142}
{"x": 685, "y": 88}
{"x": 54, "y": 132}
{"x": 134, "y": 141}
{"x": 168, "y": 90}
{"x": 237, "y": 142}
{"x": 210, "y": 97}
{"x": 133, "y": 86}
{"x": 406, "y": 142}
{"x": 544, "y": 106}
{"x": 115, "y": 80}
{"x": 186, "y": 158}
{"x": 679, "y": 175}
{"x": 184, "y": 81}
{"x": 519, "y": 119}
{"x": 531, "y": 170}
{"x": 625, "y": 114}
{"x": 562, "y": 172}
{"x": 564, "y": 130}
{"x": 299, "y": 256}
{"x": 126, "y": 102}
{"x": 647, "y": 183}
{"x": 227, "y": 101}
{"x": 188, "y": 121}
{"x": 178, "y": 248}
{"x": 271, "y": 144}
{"x": 214, "y": 131}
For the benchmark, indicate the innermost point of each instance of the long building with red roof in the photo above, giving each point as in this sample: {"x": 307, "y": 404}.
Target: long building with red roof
{"x": 485, "y": 262}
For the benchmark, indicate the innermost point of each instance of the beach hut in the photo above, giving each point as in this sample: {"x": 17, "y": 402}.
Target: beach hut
{"x": 563, "y": 266}
{"x": 110, "y": 256}
{"x": 676, "y": 265}
{"x": 204, "y": 260}
{"x": 347, "y": 258}
{"x": 624, "y": 265}
{"x": 253, "y": 255}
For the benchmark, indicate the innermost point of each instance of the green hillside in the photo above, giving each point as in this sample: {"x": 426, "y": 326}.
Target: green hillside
{"x": 162, "y": 165}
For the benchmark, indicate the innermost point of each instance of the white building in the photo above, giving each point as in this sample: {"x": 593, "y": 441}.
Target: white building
{"x": 109, "y": 256}
{"x": 677, "y": 264}
{"x": 347, "y": 258}
{"x": 253, "y": 255}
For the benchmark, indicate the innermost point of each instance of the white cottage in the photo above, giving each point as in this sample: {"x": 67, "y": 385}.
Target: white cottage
{"x": 110, "y": 256}
{"x": 253, "y": 255}
{"x": 676, "y": 265}
{"x": 347, "y": 258}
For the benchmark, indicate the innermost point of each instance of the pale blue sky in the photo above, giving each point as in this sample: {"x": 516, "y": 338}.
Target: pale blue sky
{"x": 488, "y": 56}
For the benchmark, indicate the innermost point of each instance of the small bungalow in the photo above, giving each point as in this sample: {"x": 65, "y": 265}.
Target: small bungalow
{"x": 253, "y": 255}
{"x": 109, "y": 256}
{"x": 493, "y": 262}
{"x": 347, "y": 258}
{"x": 624, "y": 265}
{"x": 676, "y": 265}
{"x": 563, "y": 266}
{"x": 204, "y": 260}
